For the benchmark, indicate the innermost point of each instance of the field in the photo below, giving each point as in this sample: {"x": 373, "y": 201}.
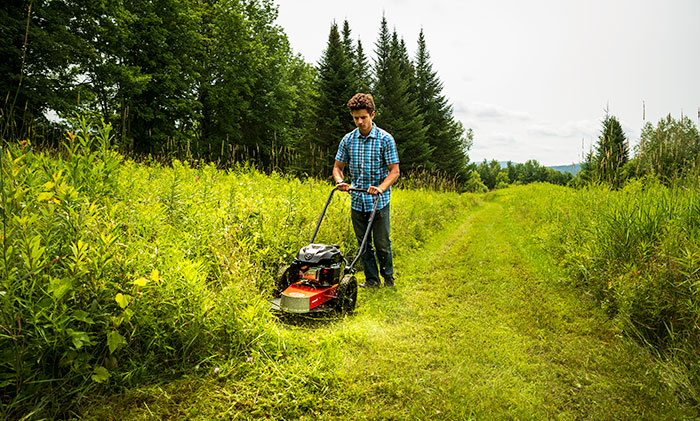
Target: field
{"x": 138, "y": 291}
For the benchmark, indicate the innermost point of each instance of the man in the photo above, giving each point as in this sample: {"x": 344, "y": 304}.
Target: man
{"x": 371, "y": 154}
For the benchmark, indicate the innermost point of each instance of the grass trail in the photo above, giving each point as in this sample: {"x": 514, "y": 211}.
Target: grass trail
{"x": 477, "y": 331}
{"x": 478, "y": 328}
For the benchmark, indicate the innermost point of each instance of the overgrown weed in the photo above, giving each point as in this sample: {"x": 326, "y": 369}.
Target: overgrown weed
{"x": 636, "y": 251}
{"x": 117, "y": 273}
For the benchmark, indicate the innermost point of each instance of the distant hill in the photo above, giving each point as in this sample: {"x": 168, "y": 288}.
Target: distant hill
{"x": 572, "y": 168}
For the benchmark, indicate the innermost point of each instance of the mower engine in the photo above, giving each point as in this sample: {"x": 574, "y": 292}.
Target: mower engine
{"x": 320, "y": 264}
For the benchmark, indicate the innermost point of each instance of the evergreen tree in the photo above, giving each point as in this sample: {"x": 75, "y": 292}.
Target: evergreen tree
{"x": 398, "y": 47}
{"x": 335, "y": 88}
{"x": 397, "y": 112}
{"x": 611, "y": 152}
{"x": 351, "y": 57}
{"x": 347, "y": 42}
{"x": 446, "y": 136}
{"x": 361, "y": 69}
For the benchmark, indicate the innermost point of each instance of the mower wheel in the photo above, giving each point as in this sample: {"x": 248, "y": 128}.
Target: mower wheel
{"x": 346, "y": 295}
{"x": 284, "y": 280}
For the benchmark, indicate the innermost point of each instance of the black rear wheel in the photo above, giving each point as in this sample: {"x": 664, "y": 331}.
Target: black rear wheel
{"x": 285, "y": 277}
{"x": 346, "y": 295}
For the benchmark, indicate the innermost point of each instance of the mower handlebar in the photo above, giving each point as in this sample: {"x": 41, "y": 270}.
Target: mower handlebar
{"x": 355, "y": 189}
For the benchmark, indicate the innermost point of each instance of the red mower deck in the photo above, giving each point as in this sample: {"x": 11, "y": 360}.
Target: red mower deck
{"x": 300, "y": 298}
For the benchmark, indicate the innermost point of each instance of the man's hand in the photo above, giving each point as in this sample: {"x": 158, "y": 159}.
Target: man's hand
{"x": 343, "y": 186}
{"x": 375, "y": 190}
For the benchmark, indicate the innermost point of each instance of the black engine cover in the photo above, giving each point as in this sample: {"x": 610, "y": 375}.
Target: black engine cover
{"x": 324, "y": 254}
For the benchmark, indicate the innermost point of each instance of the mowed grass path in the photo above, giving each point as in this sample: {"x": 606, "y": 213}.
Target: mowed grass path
{"x": 480, "y": 326}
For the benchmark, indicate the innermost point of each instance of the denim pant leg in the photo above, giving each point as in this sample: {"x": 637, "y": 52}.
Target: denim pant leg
{"x": 381, "y": 230}
{"x": 379, "y": 235}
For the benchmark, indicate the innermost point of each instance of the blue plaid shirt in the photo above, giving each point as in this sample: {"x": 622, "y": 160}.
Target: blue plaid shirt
{"x": 368, "y": 159}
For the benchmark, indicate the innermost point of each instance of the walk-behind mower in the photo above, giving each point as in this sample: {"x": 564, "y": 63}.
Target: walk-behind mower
{"x": 320, "y": 278}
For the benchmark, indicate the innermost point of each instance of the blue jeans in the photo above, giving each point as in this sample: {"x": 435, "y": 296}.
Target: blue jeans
{"x": 382, "y": 245}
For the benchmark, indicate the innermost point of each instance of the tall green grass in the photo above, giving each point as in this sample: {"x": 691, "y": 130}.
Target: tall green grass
{"x": 115, "y": 273}
{"x": 637, "y": 252}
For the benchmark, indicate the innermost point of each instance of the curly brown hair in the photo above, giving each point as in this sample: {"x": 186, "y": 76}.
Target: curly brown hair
{"x": 361, "y": 101}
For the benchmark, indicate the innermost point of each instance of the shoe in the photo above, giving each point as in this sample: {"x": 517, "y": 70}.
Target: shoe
{"x": 366, "y": 285}
{"x": 389, "y": 283}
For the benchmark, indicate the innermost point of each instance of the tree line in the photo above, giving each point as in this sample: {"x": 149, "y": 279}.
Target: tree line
{"x": 210, "y": 80}
{"x": 491, "y": 175}
{"x": 669, "y": 151}
{"x": 216, "y": 81}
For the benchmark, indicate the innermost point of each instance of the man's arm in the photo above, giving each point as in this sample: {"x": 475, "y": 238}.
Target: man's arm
{"x": 338, "y": 168}
{"x": 388, "y": 181}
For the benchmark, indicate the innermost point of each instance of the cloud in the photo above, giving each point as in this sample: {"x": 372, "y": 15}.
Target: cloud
{"x": 567, "y": 129}
{"x": 490, "y": 111}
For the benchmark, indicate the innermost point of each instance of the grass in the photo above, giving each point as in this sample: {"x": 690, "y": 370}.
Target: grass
{"x": 482, "y": 325}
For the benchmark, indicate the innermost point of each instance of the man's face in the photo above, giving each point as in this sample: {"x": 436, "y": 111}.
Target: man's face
{"x": 363, "y": 120}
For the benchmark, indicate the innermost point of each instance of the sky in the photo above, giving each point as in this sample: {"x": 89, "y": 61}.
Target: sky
{"x": 533, "y": 79}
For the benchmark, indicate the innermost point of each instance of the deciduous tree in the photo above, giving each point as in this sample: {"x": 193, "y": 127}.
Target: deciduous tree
{"x": 669, "y": 149}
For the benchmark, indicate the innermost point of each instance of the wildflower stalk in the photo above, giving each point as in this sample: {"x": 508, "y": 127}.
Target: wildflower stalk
{"x": 4, "y": 214}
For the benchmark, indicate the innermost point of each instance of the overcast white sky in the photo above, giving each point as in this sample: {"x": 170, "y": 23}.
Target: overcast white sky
{"x": 533, "y": 78}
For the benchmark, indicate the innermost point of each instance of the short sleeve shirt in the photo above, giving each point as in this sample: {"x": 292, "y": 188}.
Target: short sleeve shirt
{"x": 368, "y": 158}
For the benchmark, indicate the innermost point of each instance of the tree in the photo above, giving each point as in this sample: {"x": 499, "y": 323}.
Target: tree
{"x": 37, "y": 56}
{"x": 488, "y": 173}
{"x": 361, "y": 69}
{"x": 611, "y": 154}
{"x": 669, "y": 150}
{"x": 213, "y": 79}
{"x": 297, "y": 136}
{"x": 351, "y": 55}
{"x": 150, "y": 88}
{"x": 348, "y": 48}
{"x": 473, "y": 184}
{"x": 335, "y": 87}
{"x": 446, "y": 136}
{"x": 244, "y": 83}
{"x": 397, "y": 111}
{"x": 502, "y": 180}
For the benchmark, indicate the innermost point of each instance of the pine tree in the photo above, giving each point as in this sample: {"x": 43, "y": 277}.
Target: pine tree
{"x": 350, "y": 55}
{"x": 397, "y": 112}
{"x": 361, "y": 69}
{"x": 612, "y": 152}
{"x": 347, "y": 42}
{"x": 335, "y": 88}
{"x": 446, "y": 136}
